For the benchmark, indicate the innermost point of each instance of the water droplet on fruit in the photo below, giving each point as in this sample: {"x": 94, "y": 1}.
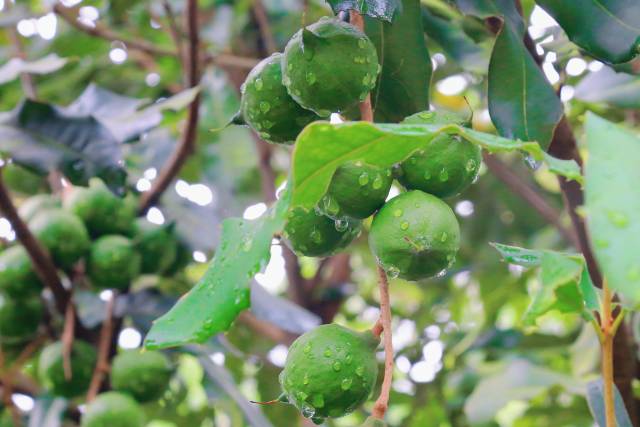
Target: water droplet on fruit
{"x": 337, "y": 366}
{"x": 311, "y": 78}
{"x": 330, "y": 205}
{"x": 397, "y": 213}
{"x": 443, "y": 237}
{"x": 363, "y": 179}
{"x": 377, "y": 182}
{"x": 346, "y": 384}
{"x": 471, "y": 165}
{"x": 258, "y": 84}
{"x": 427, "y": 175}
{"x": 404, "y": 225}
{"x": 366, "y": 79}
{"x": 328, "y": 353}
{"x": 360, "y": 371}
{"x": 267, "y": 124}
{"x": 444, "y": 175}
{"x": 348, "y": 359}
{"x": 307, "y": 349}
{"x": 341, "y": 225}
{"x": 301, "y": 396}
{"x": 618, "y": 219}
{"x": 265, "y": 106}
{"x": 392, "y": 272}
{"x": 316, "y": 237}
{"x": 362, "y": 43}
{"x": 318, "y": 400}
{"x": 305, "y": 380}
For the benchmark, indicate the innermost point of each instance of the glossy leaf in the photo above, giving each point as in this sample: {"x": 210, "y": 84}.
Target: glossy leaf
{"x": 44, "y": 137}
{"x": 505, "y": 9}
{"x": 613, "y": 213}
{"x": 15, "y": 66}
{"x": 382, "y": 9}
{"x": 223, "y": 292}
{"x": 620, "y": 90}
{"x": 403, "y": 84}
{"x": 607, "y": 29}
{"x": 322, "y": 147}
{"x": 522, "y": 103}
{"x": 451, "y": 37}
{"x": 595, "y": 399}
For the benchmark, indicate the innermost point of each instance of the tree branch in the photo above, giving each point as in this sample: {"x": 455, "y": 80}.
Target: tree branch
{"x": 381, "y": 405}
{"x": 520, "y": 188}
{"x": 187, "y": 144}
{"x": 262, "y": 19}
{"x": 42, "y": 263}
{"x": 104, "y": 346}
{"x": 67, "y": 340}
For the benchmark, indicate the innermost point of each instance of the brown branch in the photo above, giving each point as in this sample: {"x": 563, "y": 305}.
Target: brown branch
{"x": 104, "y": 346}
{"x": 187, "y": 144}
{"x": 67, "y": 340}
{"x": 382, "y": 403}
{"x": 42, "y": 263}
{"x": 262, "y": 19}
{"x": 520, "y": 188}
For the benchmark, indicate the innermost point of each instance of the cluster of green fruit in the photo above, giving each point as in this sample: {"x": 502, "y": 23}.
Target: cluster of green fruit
{"x": 90, "y": 224}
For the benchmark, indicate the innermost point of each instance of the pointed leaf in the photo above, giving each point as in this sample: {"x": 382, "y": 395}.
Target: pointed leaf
{"x": 522, "y": 103}
{"x": 16, "y": 66}
{"x": 223, "y": 292}
{"x": 612, "y": 205}
{"x": 595, "y": 399}
{"x": 403, "y": 84}
{"x": 382, "y": 9}
{"x": 607, "y": 29}
{"x": 519, "y": 256}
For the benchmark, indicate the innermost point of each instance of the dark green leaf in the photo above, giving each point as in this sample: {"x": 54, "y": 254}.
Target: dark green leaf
{"x": 403, "y": 85}
{"x": 522, "y": 103}
{"x": 519, "y": 256}
{"x": 48, "y": 64}
{"x": 44, "y": 137}
{"x": 595, "y": 399}
{"x": 451, "y": 37}
{"x": 617, "y": 89}
{"x": 322, "y": 147}
{"x": 488, "y": 8}
{"x": 223, "y": 292}
{"x": 613, "y": 210}
{"x": 382, "y": 9}
{"x": 607, "y": 29}
{"x": 47, "y": 412}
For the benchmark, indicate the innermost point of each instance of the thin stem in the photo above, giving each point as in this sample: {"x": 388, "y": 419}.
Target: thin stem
{"x": 262, "y": 19}
{"x": 67, "y": 339}
{"x": 104, "y": 345}
{"x": 607, "y": 355}
{"x": 381, "y": 405}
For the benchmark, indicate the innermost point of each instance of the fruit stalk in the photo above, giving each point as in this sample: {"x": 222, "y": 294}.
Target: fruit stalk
{"x": 608, "y": 332}
{"x": 382, "y": 403}
{"x": 104, "y": 345}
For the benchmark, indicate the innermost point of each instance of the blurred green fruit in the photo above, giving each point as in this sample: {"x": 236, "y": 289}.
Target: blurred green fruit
{"x": 144, "y": 375}
{"x": 19, "y": 318}
{"x": 113, "y": 262}
{"x": 51, "y": 369}
{"x": 63, "y": 234}
{"x": 22, "y": 180}
{"x": 36, "y": 204}
{"x": 113, "y": 409}
{"x": 157, "y": 246}
{"x": 17, "y": 277}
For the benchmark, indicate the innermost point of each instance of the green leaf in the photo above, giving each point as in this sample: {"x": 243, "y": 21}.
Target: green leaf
{"x": 522, "y": 103}
{"x": 44, "y": 137}
{"x": 48, "y": 412}
{"x": 620, "y": 90}
{"x": 223, "y": 292}
{"x": 488, "y": 8}
{"x": 567, "y": 168}
{"x": 16, "y": 66}
{"x": 322, "y": 147}
{"x": 607, "y": 29}
{"x": 403, "y": 85}
{"x": 382, "y": 9}
{"x": 519, "y": 256}
{"x": 588, "y": 290}
{"x": 613, "y": 210}
{"x": 451, "y": 37}
{"x": 595, "y": 399}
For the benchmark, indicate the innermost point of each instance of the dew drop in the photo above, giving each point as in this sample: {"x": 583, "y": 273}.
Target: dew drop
{"x": 328, "y": 353}
{"x": 392, "y": 271}
{"x": 305, "y": 380}
{"x": 311, "y": 78}
{"x": 443, "y": 237}
{"x": 307, "y": 349}
{"x": 404, "y": 225}
{"x": 363, "y": 179}
{"x": 316, "y": 237}
{"x": 265, "y": 106}
{"x": 471, "y": 165}
{"x": 397, "y": 213}
{"x": 362, "y": 43}
{"x": 267, "y": 124}
{"x": 444, "y": 175}
{"x": 337, "y": 366}
{"x": 377, "y": 182}
{"x": 346, "y": 384}
{"x": 258, "y": 84}
{"x": 427, "y": 175}
{"x": 318, "y": 400}
{"x": 360, "y": 371}
{"x": 308, "y": 411}
{"x": 341, "y": 225}
{"x": 348, "y": 359}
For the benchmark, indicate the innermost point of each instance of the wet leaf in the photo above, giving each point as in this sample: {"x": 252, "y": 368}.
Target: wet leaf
{"x": 15, "y": 66}
{"x": 382, "y": 9}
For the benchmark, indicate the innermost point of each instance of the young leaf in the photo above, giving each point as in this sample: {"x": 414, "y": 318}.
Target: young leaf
{"x": 613, "y": 210}
{"x": 403, "y": 84}
{"x": 44, "y": 137}
{"x": 607, "y": 29}
{"x": 595, "y": 399}
{"x": 519, "y": 256}
{"x": 223, "y": 292}
{"x": 381, "y": 9}
{"x": 16, "y": 66}
{"x": 522, "y": 103}
{"x": 322, "y": 147}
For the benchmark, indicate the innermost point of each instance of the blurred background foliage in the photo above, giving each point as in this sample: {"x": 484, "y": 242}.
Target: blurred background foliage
{"x": 462, "y": 355}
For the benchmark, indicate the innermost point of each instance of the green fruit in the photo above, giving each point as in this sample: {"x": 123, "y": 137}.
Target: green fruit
{"x": 267, "y": 107}
{"x": 51, "y": 369}
{"x": 36, "y": 204}
{"x": 17, "y": 277}
{"x": 329, "y": 66}
{"x": 144, "y": 375}
{"x": 446, "y": 166}
{"x": 157, "y": 246}
{"x": 414, "y": 236}
{"x": 63, "y": 234}
{"x": 19, "y": 318}
{"x": 6, "y": 420}
{"x": 113, "y": 262}
{"x": 113, "y": 409}
{"x": 100, "y": 210}
{"x": 311, "y": 233}
{"x": 330, "y": 371}
{"x": 23, "y": 180}
{"x": 357, "y": 190}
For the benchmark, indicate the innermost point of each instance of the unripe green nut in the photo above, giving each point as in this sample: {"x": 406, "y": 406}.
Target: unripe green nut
{"x": 144, "y": 375}
{"x": 267, "y": 107}
{"x": 19, "y": 318}
{"x": 113, "y": 262}
{"x": 17, "y": 277}
{"x": 113, "y": 409}
{"x": 329, "y": 66}
{"x": 36, "y": 204}
{"x": 310, "y": 233}
{"x": 63, "y": 234}
{"x": 415, "y": 236}
{"x": 356, "y": 190}
{"x": 330, "y": 371}
{"x": 51, "y": 368}
{"x": 157, "y": 246}
{"x": 446, "y": 166}
{"x": 22, "y": 180}
{"x": 100, "y": 210}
